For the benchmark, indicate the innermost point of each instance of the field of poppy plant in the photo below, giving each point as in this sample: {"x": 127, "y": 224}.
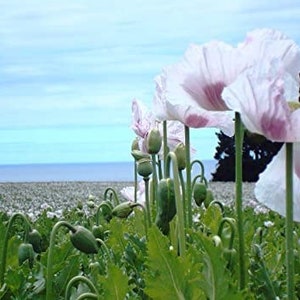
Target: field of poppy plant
{"x": 166, "y": 237}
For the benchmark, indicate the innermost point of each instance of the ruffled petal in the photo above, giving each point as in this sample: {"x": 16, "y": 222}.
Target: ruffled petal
{"x": 270, "y": 188}
{"x": 266, "y": 44}
{"x": 203, "y": 73}
{"x": 258, "y": 95}
{"x": 142, "y": 119}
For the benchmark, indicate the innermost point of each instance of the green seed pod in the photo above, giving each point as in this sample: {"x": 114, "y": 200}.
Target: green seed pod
{"x": 199, "y": 193}
{"x": 83, "y": 240}
{"x": 153, "y": 141}
{"x": 166, "y": 208}
{"x": 35, "y": 239}
{"x": 180, "y": 155}
{"x": 25, "y": 252}
{"x": 209, "y": 198}
{"x": 98, "y": 231}
{"x": 123, "y": 210}
{"x": 144, "y": 167}
{"x": 138, "y": 155}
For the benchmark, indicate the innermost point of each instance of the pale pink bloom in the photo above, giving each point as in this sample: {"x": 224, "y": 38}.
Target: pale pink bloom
{"x": 270, "y": 188}
{"x": 267, "y": 44}
{"x": 260, "y": 95}
{"x": 190, "y": 91}
{"x": 128, "y": 193}
{"x": 143, "y": 120}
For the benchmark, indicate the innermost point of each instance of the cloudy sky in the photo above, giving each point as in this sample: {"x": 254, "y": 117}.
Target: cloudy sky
{"x": 70, "y": 69}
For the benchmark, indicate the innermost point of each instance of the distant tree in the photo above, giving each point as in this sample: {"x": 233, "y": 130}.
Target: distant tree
{"x": 257, "y": 153}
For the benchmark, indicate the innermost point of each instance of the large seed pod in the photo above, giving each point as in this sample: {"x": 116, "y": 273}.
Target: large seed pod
{"x": 35, "y": 239}
{"x": 83, "y": 240}
{"x": 199, "y": 193}
{"x": 123, "y": 210}
{"x": 25, "y": 252}
{"x": 166, "y": 208}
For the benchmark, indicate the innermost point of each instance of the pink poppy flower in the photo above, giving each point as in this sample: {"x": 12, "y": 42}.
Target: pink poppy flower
{"x": 270, "y": 188}
{"x": 143, "y": 120}
{"x": 260, "y": 96}
{"x": 190, "y": 91}
{"x": 267, "y": 44}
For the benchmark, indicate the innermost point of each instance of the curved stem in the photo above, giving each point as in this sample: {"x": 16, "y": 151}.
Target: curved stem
{"x": 289, "y": 222}
{"x": 79, "y": 279}
{"x": 188, "y": 176}
{"x": 87, "y": 296}
{"x": 49, "y": 292}
{"x": 200, "y": 163}
{"x": 114, "y": 194}
{"x": 105, "y": 247}
{"x": 179, "y": 206}
{"x": 230, "y": 222}
{"x": 99, "y": 208}
{"x": 238, "y": 198}
{"x": 5, "y": 242}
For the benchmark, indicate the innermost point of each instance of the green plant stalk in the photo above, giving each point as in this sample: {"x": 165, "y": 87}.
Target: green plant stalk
{"x": 183, "y": 195}
{"x": 49, "y": 292}
{"x": 98, "y": 210}
{"x": 289, "y": 223}
{"x": 238, "y": 198}
{"x": 154, "y": 181}
{"x": 79, "y": 279}
{"x": 87, "y": 296}
{"x": 147, "y": 200}
{"x": 179, "y": 206}
{"x": 200, "y": 163}
{"x": 6, "y": 238}
{"x": 188, "y": 177}
{"x": 135, "y": 181}
{"x": 165, "y": 145}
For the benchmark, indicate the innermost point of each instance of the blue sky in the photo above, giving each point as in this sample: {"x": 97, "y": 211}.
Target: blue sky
{"x": 70, "y": 69}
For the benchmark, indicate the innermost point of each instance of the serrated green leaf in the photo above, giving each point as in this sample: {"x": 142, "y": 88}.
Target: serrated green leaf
{"x": 169, "y": 276}
{"x": 216, "y": 281}
{"x": 115, "y": 283}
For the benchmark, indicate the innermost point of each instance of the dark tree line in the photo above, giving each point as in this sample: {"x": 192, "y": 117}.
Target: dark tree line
{"x": 257, "y": 153}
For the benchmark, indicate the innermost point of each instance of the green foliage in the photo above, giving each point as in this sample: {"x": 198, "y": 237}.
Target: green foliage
{"x": 169, "y": 276}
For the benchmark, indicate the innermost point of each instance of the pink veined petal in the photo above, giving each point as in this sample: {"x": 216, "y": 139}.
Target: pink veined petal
{"x": 270, "y": 188}
{"x": 200, "y": 78}
{"x": 196, "y": 117}
{"x": 259, "y": 98}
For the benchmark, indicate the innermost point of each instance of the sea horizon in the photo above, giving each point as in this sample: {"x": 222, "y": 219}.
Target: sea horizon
{"x": 87, "y": 171}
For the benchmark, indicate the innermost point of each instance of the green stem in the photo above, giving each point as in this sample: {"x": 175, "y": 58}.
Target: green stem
{"x": 289, "y": 222}
{"x": 148, "y": 208}
{"x": 6, "y": 238}
{"x": 145, "y": 219}
{"x": 188, "y": 176}
{"x": 49, "y": 292}
{"x": 238, "y": 198}
{"x": 154, "y": 181}
{"x": 201, "y": 165}
{"x": 114, "y": 194}
{"x": 107, "y": 204}
{"x": 165, "y": 144}
{"x": 79, "y": 279}
{"x": 135, "y": 181}
{"x": 87, "y": 296}
{"x": 183, "y": 195}
{"x": 179, "y": 206}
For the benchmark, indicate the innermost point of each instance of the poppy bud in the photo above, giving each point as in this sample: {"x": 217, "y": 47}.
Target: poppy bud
{"x": 144, "y": 167}
{"x": 138, "y": 155}
{"x": 123, "y": 210}
{"x": 83, "y": 240}
{"x": 135, "y": 145}
{"x": 180, "y": 155}
{"x": 209, "y": 198}
{"x": 35, "y": 239}
{"x": 153, "y": 141}
{"x": 98, "y": 231}
{"x": 199, "y": 193}
{"x": 25, "y": 252}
